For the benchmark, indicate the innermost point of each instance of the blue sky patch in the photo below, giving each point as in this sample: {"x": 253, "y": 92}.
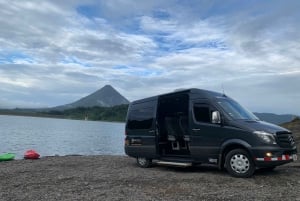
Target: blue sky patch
{"x": 131, "y": 26}
{"x": 213, "y": 44}
{"x": 121, "y": 67}
{"x": 74, "y": 60}
{"x": 161, "y": 14}
{"x": 13, "y": 57}
{"x": 89, "y": 11}
{"x": 167, "y": 45}
{"x": 145, "y": 72}
{"x": 136, "y": 71}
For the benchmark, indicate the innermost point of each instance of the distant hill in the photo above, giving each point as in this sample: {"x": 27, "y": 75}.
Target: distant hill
{"x": 275, "y": 118}
{"x": 104, "y": 97}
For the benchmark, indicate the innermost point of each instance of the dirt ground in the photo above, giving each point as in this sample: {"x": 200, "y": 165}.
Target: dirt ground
{"x": 118, "y": 178}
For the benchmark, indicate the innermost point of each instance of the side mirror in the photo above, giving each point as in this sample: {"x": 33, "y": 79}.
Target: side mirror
{"x": 216, "y": 117}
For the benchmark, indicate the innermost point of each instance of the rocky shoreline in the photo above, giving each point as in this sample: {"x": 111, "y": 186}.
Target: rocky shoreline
{"x": 118, "y": 178}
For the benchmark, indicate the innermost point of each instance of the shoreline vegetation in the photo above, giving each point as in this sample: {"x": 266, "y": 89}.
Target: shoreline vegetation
{"x": 114, "y": 114}
{"x": 110, "y": 114}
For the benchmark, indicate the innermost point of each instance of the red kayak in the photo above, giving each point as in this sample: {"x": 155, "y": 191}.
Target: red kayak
{"x": 31, "y": 154}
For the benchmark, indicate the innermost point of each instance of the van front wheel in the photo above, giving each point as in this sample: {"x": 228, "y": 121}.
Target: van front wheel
{"x": 239, "y": 163}
{"x": 143, "y": 162}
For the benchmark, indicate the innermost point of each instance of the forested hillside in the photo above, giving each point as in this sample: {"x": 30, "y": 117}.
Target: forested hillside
{"x": 116, "y": 113}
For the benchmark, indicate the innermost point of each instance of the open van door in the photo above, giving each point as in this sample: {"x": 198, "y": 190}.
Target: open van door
{"x": 141, "y": 134}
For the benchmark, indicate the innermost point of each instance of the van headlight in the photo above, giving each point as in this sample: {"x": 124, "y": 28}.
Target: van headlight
{"x": 266, "y": 137}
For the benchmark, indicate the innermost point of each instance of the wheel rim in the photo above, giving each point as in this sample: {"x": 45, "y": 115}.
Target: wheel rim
{"x": 239, "y": 163}
{"x": 142, "y": 161}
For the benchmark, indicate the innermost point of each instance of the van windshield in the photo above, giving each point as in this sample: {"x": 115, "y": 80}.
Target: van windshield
{"x": 235, "y": 110}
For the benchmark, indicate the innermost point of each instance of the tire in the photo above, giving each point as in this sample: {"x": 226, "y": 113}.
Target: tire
{"x": 143, "y": 162}
{"x": 238, "y": 163}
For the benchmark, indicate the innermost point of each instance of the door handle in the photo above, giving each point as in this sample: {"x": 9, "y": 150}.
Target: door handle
{"x": 151, "y": 131}
{"x": 196, "y": 129}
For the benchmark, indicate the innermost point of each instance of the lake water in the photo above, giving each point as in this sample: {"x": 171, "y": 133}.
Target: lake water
{"x": 51, "y": 137}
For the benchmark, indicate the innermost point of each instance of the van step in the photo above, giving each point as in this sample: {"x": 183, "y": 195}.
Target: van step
{"x": 174, "y": 163}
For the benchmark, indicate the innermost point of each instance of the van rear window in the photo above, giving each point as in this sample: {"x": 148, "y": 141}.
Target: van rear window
{"x": 140, "y": 118}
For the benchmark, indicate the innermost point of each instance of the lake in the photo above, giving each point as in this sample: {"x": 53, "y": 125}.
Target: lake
{"x": 51, "y": 137}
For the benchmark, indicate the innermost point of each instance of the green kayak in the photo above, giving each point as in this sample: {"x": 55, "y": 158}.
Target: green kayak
{"x": 7, "y": 157}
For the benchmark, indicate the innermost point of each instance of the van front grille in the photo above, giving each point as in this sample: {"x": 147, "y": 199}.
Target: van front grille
{"x": 285, "y": 139}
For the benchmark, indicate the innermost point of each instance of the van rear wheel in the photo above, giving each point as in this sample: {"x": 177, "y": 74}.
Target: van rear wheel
{"x": 239, "y": 163}
{"x": 143, "y": 162}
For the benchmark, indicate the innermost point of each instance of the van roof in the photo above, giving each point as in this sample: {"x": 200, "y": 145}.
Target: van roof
{"x": 203, "y": 93}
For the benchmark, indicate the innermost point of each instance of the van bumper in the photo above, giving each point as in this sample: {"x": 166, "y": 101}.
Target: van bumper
{"x": 273, "y": 156}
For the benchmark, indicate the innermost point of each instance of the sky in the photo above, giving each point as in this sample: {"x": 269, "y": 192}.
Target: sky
{"x": 56, "y": 52}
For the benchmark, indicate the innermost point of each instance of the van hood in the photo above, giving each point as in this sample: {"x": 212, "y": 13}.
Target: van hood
{"x": 251, "y": 126}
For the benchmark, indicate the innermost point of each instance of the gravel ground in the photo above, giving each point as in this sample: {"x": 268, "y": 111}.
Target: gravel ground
{"x": 118, "y": 178}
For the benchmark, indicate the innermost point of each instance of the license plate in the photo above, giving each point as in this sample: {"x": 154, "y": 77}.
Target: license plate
{"x": 294, "y": 157}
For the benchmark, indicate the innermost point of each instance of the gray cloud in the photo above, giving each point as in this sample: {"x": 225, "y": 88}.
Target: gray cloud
{"x": 270, "y": 93}
{"x": 52, "y": 54}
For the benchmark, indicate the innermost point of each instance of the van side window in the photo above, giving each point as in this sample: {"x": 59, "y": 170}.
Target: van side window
{"x": 201, "y": 113}
{"x": 140, "y": 118}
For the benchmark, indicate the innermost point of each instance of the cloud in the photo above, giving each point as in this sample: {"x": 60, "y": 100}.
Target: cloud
{"x": 54, "y": 52}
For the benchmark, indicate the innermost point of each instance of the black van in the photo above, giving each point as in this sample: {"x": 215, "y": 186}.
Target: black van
{"x": 197, "y": 126}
